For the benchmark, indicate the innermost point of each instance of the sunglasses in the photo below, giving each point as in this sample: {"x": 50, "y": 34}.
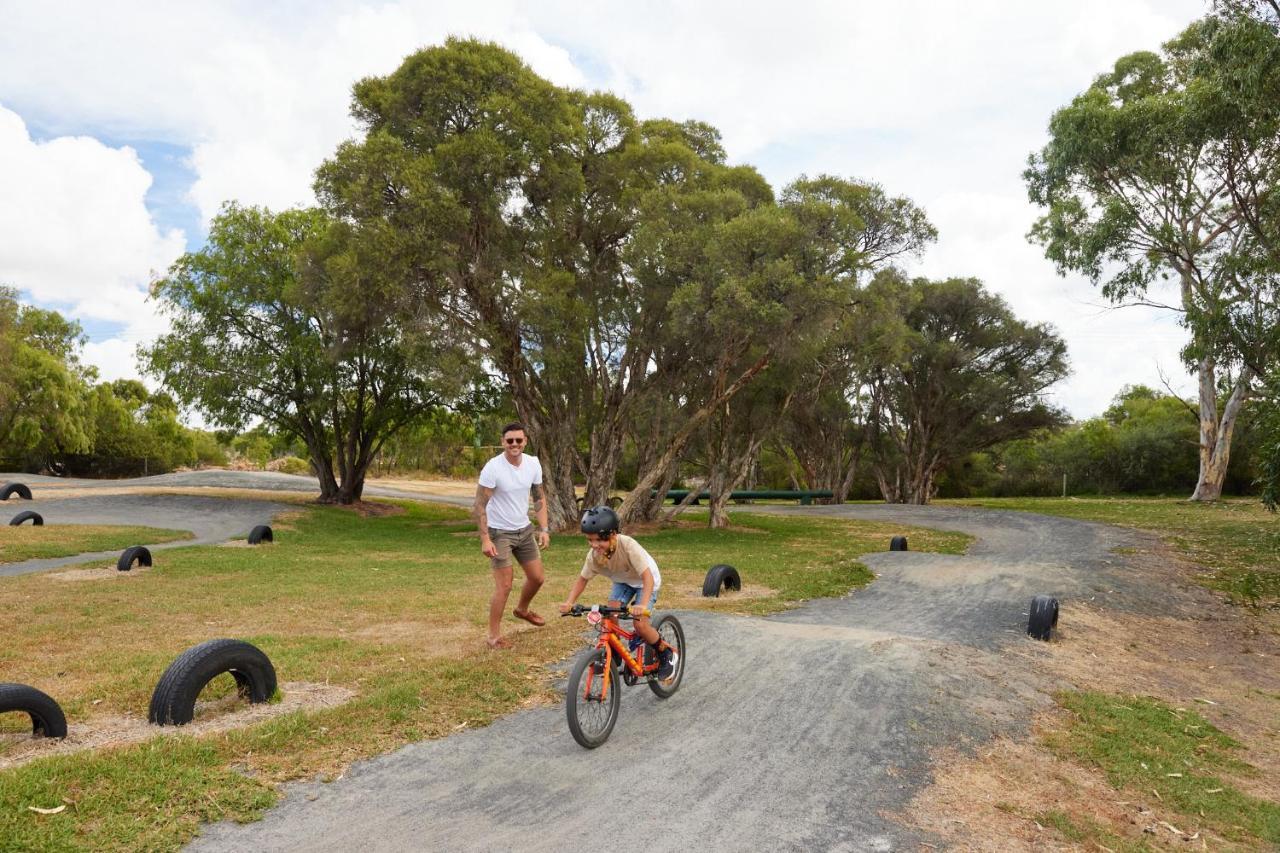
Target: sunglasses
{"x": 514, "y": 440}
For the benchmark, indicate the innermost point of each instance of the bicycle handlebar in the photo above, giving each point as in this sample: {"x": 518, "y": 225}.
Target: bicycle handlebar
{"x": 581, "y": 610}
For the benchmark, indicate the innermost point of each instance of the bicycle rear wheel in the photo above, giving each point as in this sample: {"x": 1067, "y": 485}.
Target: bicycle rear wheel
{"x": 591, "y": 717}
{"x": 673, "y": 632}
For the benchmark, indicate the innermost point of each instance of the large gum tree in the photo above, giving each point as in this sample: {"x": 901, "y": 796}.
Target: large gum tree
{"x": 1162, "y": 170}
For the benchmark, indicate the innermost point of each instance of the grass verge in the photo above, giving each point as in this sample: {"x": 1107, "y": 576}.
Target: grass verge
{"x": 65, "y": 540}
{"x": 1235, "y": 540}
{"x": 392, "y": 607}
{"x": 1144, "y": 745}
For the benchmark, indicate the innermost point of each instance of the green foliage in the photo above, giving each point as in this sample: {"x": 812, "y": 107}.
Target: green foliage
{"x": 42, "y": 383}
{"x": 293, "y": 320}
{"x": 968, "y": 376}
{"x": 1269, "y": 444}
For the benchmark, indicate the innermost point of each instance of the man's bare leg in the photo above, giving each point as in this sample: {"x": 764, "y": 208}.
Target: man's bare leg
{"x": 533, "y": 579}
{"x": 498, "y": 603}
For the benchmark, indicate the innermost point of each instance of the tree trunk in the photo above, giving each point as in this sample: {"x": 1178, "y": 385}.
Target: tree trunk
{"x": 1215, "y": 432}
{"x": 680, "y": 440}
{"x": 726, "y": 475}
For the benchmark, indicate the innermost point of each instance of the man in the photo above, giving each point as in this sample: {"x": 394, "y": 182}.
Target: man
{"x": 502, "y": 514}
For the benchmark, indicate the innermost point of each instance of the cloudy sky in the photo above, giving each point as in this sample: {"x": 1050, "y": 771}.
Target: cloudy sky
{"x": 124, "y": 126}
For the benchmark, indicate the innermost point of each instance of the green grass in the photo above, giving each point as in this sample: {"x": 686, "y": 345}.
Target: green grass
{"x": 1235, "y": 540}
{"x": 1142, "y": 744}
{"x": 65, "y": 540}
{"x": 393, "y": 608}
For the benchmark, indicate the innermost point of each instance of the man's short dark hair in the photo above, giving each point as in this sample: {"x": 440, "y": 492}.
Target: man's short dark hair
{"x": 511, "y": 427}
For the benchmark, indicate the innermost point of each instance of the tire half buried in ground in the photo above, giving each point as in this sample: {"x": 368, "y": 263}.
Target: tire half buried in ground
{"x": 261, "y": 533}
{"x": 720, "y": 576}
{"x": 10, "y": 489}
{"x": 138, "y": 553}
{"x": 174, "y": 701}
{"x": 36, "y": 519}
{"x": 1043, "y": 617}
{"x": 47, "y": 719}
{"x": 898, "y": 543}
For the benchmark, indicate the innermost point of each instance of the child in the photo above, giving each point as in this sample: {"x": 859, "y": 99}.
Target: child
{"x": 634, "y": 574}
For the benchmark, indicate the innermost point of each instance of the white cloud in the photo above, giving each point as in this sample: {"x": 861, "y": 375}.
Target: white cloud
{"x": 941, "y": 101}
{"x": 77, "y": 231}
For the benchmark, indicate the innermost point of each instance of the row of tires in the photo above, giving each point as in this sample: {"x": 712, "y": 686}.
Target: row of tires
{"x": 173, "y": 702}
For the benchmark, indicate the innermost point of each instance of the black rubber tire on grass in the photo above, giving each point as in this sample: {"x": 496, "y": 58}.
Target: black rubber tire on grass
{"x": 1043, "y": 618}
{"x": 261, "y": 533}
{"x": 174, "y": 700}
{"x": 898, "y": 543}
{"x": 19, "y": 489}
{"x": 36, "y": 519}
{"x": 47, "y": 719}
{"x": 138, "y": 553}
{"x": 720, "y": 576}
{"x": 589, "y": 732}
{"x": 673, "y": 632}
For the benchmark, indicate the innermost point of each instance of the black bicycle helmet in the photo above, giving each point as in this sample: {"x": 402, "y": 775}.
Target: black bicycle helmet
{"x": 600, "y": 519}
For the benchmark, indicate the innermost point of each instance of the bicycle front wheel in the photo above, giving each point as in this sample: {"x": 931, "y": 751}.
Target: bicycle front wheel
{"x": 673, "y": 632}
{"x": 591, "y": 700}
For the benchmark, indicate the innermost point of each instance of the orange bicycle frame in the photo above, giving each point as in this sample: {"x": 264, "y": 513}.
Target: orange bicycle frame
{"x": 609, "y": 632}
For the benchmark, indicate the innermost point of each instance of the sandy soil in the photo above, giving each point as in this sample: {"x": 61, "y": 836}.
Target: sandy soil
{"x": 218, "y": 716}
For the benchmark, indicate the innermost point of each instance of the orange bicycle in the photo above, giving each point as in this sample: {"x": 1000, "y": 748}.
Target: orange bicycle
{"x": 592, "y": 697}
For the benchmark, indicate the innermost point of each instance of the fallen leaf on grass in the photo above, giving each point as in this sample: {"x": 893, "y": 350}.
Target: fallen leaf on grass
{"x": 53, "y": 810}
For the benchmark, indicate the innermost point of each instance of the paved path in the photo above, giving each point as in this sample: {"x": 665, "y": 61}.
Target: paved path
{"x": 804, "y": 731}
{"x": 210, "y": 519}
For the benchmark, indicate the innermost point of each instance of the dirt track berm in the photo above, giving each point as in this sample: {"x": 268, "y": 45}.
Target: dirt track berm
{"x": 721, "y": 576}
{"x": 174, "y": 701}
{"x": 139, "y": 554}
{"x": 47, "y": 719}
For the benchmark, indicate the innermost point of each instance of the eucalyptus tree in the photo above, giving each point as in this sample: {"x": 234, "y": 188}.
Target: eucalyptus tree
{"x": 853, "y": 229}
{"x": 529, "y": 215}
{"x": 969, "y": 376}
{"x": 43, "y": 384}
{"x": 297, "y": 321}
{"x": 1164, "y": 168}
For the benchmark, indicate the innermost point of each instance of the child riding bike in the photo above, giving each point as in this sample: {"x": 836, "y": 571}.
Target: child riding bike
{"x": 635, "y": 578}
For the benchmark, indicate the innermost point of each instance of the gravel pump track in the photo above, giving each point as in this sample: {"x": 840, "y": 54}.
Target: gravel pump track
{"x": 47, "y": 719}
{"x": 174, "y": 700}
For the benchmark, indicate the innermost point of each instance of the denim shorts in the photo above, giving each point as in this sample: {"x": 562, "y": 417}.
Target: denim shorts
{"x": 625, "y": 593}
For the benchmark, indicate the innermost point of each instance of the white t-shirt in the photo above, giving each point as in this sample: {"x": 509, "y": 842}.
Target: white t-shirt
{"x": 508, "y": 509}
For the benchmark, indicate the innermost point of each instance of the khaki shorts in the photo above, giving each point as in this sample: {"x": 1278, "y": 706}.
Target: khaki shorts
{"x": 518, "y": 543}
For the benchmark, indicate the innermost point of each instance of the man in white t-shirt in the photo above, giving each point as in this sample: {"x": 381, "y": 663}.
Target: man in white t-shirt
{"x": 502, "y": 514}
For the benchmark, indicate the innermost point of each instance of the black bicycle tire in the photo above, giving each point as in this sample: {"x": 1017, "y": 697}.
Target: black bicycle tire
{"x": 666, "y": 689}
{"x": 573, "y": 693}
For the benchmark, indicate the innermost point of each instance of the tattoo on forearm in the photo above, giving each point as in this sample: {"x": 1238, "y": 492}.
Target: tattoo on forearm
{"x": 482, "y": 517}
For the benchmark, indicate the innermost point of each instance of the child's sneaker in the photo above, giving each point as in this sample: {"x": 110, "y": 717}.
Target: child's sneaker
{"x": 667, "y": 659}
